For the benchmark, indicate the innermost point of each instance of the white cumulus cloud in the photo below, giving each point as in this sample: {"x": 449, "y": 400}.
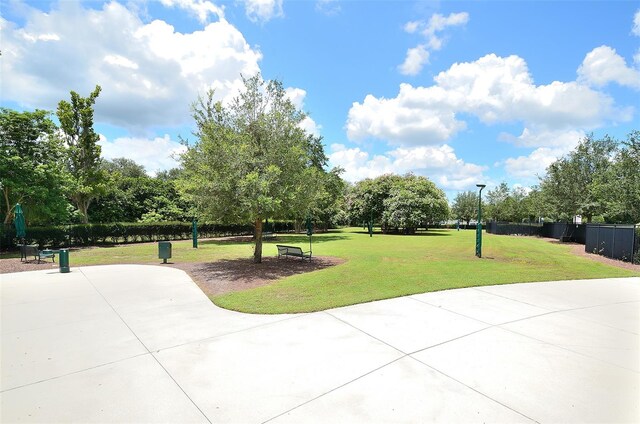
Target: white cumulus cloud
{"x": 263, "y": 10}
{"x": 548, "y": 147}
{"x": 603, "y": 65}
{"x": 415, "y": 116}
{"x": 418, "y": 56}
{"x": 494, "y": 89}
{"x": 557, "y": 139}
{"x": 149, "y": 72}
{"x": 156, "y": 154}
{"x": 533, "y": 165}
{"x": 438, "y": 163}
{"x": 635, "y": 30}
{"x": 201, "y": 8}
{"x": 297, "y": 96}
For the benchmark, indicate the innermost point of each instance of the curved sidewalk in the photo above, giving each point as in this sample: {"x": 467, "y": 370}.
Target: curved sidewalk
{"x": 132, "y": 343}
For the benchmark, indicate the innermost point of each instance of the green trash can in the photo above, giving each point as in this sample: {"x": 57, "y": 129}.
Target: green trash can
{"x": 63, "y": 260}
{"x": 164, "y": 251}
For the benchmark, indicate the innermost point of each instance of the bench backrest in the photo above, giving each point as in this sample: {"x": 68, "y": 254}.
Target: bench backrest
{"x": 283, "y": 250}
{"x": 29, "y": 250}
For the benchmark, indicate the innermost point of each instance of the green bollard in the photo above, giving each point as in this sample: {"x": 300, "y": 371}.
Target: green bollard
{"x": 194, "y": 233}
{"x": 63, "y": 259}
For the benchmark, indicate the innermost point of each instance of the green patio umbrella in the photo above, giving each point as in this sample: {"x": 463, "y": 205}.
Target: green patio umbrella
{"x": 18, "y": 221}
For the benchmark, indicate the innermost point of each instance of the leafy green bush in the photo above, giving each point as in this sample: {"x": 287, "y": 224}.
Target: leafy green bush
{"x": 120, "y": 232}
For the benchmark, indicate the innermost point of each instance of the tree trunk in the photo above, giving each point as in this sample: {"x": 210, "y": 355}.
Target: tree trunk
{"x": 83, "y": 207}
{"x": 257, "y": 253}
{"x": 7, "y": 218}
{"x": 84, "y": 211}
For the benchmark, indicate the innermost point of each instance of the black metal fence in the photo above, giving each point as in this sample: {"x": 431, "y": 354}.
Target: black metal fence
{"x": 514, "y": 229}
{"x": 620, "y": 242}
{"x": 558, "y": 230}
{"x": 613, "y": 241}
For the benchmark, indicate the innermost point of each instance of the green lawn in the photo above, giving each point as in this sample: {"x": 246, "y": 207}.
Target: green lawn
{"x": 380, "y": 267}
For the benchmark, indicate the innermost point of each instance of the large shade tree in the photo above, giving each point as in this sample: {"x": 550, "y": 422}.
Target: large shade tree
{"x": 365, "y": 200}
{"x": 76, "y": 122}
{"x": 328, "y": 204}
{"x": 617, "y": 188}
{"x": 397, "y": 202}
{"x": 465, "y": 206}
{"x": 568, "y": 185}
{"x": 251, "y": 160}
{"x": 31, "y": 166}
{"x": 414, "y": 201}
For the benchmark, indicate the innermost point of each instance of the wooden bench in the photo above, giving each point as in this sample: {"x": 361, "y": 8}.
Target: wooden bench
{"x": 268, "y": 236}
{"x": 297, "y": 252}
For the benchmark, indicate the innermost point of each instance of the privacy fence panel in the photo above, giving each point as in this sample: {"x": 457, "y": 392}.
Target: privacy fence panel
{"x": 510, "y": 228}
{"x": 613, "y": 241}
{"x": 620, "y": 242}
{"x": 575, "y": 233}
{"x": 558, "y": 230}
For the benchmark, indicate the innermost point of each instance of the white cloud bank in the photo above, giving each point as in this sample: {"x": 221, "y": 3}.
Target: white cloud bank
{"x": 157, "y": 154}
{"x": 439, "y": 163}
{"x": 263, "y": 10}
{"x": 297, "y": 96}
{"x": 493, "y": 89}
{"x": 149, "y": 72}
{"x": 200, "y": 8}
{"x": 603, "y": 65}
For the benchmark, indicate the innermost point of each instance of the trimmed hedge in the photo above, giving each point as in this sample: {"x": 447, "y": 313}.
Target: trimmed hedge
{"x": 121, "y": 232}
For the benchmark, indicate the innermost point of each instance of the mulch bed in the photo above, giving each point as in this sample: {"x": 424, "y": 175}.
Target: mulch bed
{"x": 229, "y": 275}
{"x": 14, "y": 265}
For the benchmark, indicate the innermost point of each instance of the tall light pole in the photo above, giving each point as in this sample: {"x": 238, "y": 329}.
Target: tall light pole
{"x": 479, "y": 225}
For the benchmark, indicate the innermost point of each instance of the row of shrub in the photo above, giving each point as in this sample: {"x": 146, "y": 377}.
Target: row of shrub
{"x": 121, "y": 232}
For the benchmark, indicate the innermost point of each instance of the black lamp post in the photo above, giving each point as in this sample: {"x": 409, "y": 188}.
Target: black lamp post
{"x": 479, "y": 225}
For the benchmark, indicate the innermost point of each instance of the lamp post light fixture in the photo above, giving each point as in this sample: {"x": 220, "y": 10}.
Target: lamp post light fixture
{"x": 479, "y": 224}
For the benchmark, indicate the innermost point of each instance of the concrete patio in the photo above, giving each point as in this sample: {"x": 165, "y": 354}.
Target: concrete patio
{"x": 131, "y": 343}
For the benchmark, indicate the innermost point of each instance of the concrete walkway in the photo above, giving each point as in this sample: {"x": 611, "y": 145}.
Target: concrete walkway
{"x": 133, "y": 343}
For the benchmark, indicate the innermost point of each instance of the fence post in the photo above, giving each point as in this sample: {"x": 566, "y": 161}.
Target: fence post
{"x": 613, "y": 242}
{"x": 635, "y": 242}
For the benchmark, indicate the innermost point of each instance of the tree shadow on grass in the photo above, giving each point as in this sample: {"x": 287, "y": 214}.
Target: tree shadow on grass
{"x": 269, "y": 269}
{"x": 279, "y": 239}
{"x": 430, "y": 233}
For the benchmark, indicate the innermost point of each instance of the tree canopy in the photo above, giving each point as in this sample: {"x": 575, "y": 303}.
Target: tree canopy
{"x": 465, "y": 206}
{"x": 31, "y": 166}
{"x": 87, "y": 178}
{"x": 397, "y": 202}
{"x": 568, "y": 185}
{"x": 251, "y": 160}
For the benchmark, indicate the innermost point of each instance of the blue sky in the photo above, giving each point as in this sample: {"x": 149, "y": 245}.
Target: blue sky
{"x": 460, "y": 91}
